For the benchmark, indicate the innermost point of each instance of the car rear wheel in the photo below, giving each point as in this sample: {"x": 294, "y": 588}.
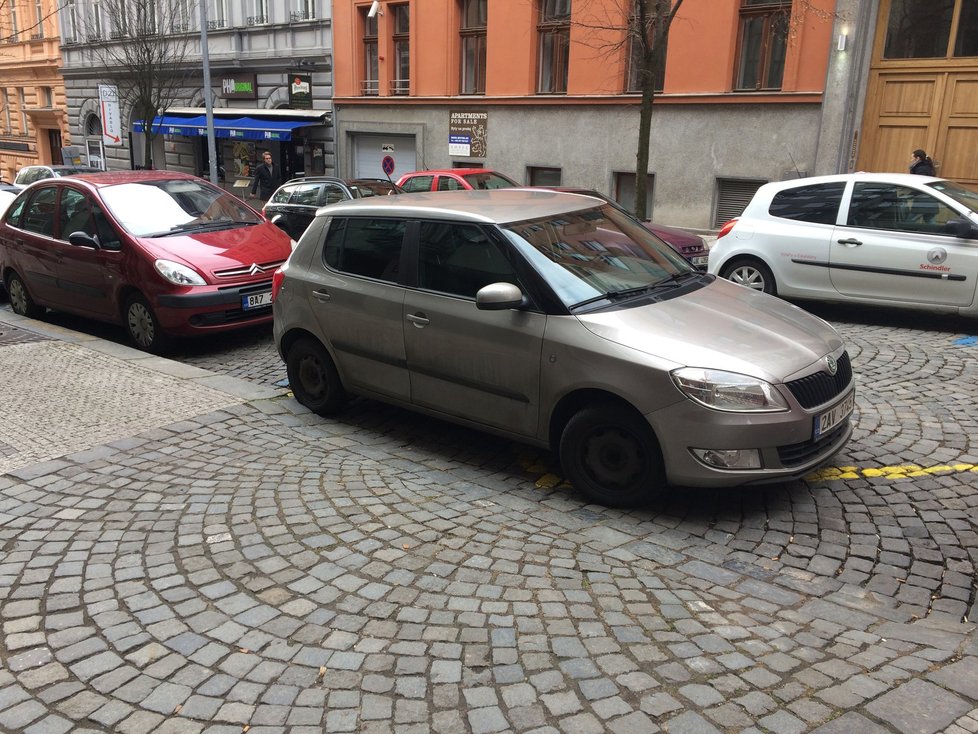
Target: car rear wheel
{"x": 141, "y": 325}
{"x": 20, "y": 300}
{"x": 610, "y": 455}
{"x": 313, "y": 377}
{"x": 750, "y": 273}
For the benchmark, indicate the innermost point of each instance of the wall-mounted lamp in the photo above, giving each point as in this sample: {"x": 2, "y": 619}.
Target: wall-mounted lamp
{"x": 843, "y": 39}
{"x": 374, "y": 9}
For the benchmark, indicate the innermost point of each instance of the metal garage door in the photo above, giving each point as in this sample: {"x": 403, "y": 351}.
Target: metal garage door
{"x": 369, "y": 151}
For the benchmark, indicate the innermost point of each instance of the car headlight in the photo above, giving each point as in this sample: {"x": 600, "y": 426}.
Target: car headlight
{"x": 728, "y": 391}
{"x": 178, "y": 274}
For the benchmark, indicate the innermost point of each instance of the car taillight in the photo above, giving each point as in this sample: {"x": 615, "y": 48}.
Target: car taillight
{"x": 725, "y": 229}
{"x": 278, "y": 277}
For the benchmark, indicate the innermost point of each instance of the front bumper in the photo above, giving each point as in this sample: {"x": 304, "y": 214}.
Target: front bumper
{"x": 213, "y": 308}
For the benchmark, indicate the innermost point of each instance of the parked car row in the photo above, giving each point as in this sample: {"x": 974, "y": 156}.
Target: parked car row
{"x": 551, "y": 317}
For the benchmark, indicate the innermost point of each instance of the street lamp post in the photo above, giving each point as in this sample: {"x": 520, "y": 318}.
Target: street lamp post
{"x": 209, "y": 106}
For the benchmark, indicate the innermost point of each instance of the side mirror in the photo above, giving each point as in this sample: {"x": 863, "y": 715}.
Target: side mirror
{"x": 80, "y": 239}
{"x": 499, "y": 297}
{"x": 961, "y": 228}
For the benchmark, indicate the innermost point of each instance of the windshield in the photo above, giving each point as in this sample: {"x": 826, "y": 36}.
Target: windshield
{"x": 489, "y": 181}
{"x": 963, "y": 196}
{"x": 155, "y": 208}
{"x": 363, "y": 189}
{"x": 596, "y": 253}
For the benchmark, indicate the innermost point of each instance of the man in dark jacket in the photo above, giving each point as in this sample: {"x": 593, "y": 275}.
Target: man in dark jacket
{"x": 266, "y": 178}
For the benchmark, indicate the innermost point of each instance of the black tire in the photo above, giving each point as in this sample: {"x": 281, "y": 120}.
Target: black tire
{"x": 142, "y": 327}
{"x": 313, "y": 377}
{"x": 610, "y": 454}
{"x": 20, "y": 299}
{"x": 750, "y": 273}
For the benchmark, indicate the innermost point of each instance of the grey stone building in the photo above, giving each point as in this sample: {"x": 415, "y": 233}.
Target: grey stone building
{"x": 270, "y": 79}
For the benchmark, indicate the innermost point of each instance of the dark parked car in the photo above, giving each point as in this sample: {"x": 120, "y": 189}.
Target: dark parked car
{"x": 690, "y": 246}
{"x": 29, "y": 174}
{"x": 161, "y": 253}
{"x": 293, "y": 206}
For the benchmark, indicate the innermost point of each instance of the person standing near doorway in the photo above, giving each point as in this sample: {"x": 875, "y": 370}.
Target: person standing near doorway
{"x": 921, "y": 164}
{"x": 267, "y": 178}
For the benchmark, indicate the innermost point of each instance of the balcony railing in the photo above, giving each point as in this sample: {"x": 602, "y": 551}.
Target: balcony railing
{"x": 256, "y": 20}
{"x": 400, "y": 86}
{"x": 215, "y": 24}
{"x": 182, "y": 26}
{"x": 297, "y": 15}
{"x": 116, "y": 35}
{"x": 369, "y": 87}
{"x": 37, "y": 36}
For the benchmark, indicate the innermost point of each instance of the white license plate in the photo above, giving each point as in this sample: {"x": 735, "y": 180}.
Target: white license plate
{"x": 832, "y": 417}
{"x": 700, "y": 260}
{"x": 256, "y": 300}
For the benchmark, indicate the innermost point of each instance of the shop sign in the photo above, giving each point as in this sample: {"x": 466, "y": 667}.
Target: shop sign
{"x": 239, "y": 86}
{"x": 300, "y": 91}
{"x": 467, "y": 133}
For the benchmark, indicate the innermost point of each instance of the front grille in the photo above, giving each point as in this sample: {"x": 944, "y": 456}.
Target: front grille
{"x": 246, "y": 290}
{"x": 216, "y": 318}
{"x": 821, "y": 387}
{"x": 797, "y": 454}
{"x": 267, "y": 267}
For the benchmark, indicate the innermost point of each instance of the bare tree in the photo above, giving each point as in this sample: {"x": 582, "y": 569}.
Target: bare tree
{"x": 146, "y": 49}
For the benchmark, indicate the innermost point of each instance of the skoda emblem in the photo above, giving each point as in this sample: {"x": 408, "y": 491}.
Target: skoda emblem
{"x": 937, "y": 256}
{"x": 831, "y": 365}
{"x": 255, "y": 269}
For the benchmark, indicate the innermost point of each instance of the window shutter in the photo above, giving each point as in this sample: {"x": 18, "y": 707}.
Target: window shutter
{"x": 733, "y": 196}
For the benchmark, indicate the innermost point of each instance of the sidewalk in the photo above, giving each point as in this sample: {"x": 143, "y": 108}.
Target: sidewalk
{"x": 64, "y": 391}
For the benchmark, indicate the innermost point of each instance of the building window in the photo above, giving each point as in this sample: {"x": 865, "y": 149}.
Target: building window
{"x": 5, "y": 98}
{"x": 542, "y": 176}
{"x": 70, "y": 24}
{"x": 39, "y": 19}
{"x": 93, "y": 126}
{"x": 14, "y": 28}
{"x": 763, "y": 42}
{"x": 401, "y": 83}
{"x": 625, "y": 191}
{"x": 475, "y": 19}
{"x": 369, "y": 85}
{"x": 23, "y": 110}
{"x": 306, "y": 11}
{"x": 47, "y": 97}
{"x": 920, "y": 29}
{"x": 261, "y": 13}
{"x": 633, "y": 80}
{"x": 219, "y": 18}
{"x": 96, "y": 28}
{"x": 553, "y": 37}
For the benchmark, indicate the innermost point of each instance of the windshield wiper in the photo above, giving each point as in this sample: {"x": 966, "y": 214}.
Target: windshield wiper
{"x": 676, "y": 278}
{"x": 625, "y": 293}
{"x": 201, "y": 227}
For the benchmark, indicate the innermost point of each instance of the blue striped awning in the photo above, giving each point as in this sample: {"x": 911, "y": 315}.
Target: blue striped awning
{"x": 238, "y": 128}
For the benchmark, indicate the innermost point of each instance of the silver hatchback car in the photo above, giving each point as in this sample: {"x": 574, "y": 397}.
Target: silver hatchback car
{"x": 555, "y": 319}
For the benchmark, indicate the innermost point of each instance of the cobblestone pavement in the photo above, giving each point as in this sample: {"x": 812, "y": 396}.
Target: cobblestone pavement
{"x": 246, "y": 566}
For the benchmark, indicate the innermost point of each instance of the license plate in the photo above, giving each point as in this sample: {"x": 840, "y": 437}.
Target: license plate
{"x": 701, "y": 260}
{"x": 832, "y": 417}
{"x": 256, "y": 300}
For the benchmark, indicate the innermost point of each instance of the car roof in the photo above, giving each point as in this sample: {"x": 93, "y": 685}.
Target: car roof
{"x": 894, "y": 178}
{"x": 112, "y": 178}
{"x": 452, "y": 171}
{"x": 483, "y": 205}
{"x": 332, "y": 179}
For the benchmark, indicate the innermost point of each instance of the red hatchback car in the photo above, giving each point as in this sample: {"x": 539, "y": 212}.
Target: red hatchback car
{"x": 454, "y": 179}
{"x": 162, "y": 253}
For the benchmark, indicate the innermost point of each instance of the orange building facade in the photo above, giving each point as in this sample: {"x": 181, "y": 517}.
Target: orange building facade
{"x": 544, "y": 91}
{"x": 33, "y": 124}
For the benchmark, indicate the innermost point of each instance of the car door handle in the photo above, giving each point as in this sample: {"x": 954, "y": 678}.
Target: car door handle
{"x": 850, "y": 241}
{"x": 418, "y": 319}
{"x": 321, "y": 295}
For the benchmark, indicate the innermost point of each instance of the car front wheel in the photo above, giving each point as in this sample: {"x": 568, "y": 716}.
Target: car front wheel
{"x": 750, "y": 273}
{"x": 610, "y": 455}
{"x": 313, "y": 377}
{"x": 20, "y": 300}
{"x": 141, "y": 325}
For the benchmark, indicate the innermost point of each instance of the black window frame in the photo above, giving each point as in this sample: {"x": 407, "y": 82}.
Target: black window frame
{"x": 473, "y": 38}
{"x": 553, "y": 40}
{"x": 774, "y": 17}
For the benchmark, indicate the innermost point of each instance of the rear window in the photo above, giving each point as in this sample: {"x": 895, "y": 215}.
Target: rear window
{"x": 818, "y": 203}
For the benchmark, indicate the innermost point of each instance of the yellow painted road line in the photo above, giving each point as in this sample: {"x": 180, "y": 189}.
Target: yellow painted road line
{"x": 903, "y": 471}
